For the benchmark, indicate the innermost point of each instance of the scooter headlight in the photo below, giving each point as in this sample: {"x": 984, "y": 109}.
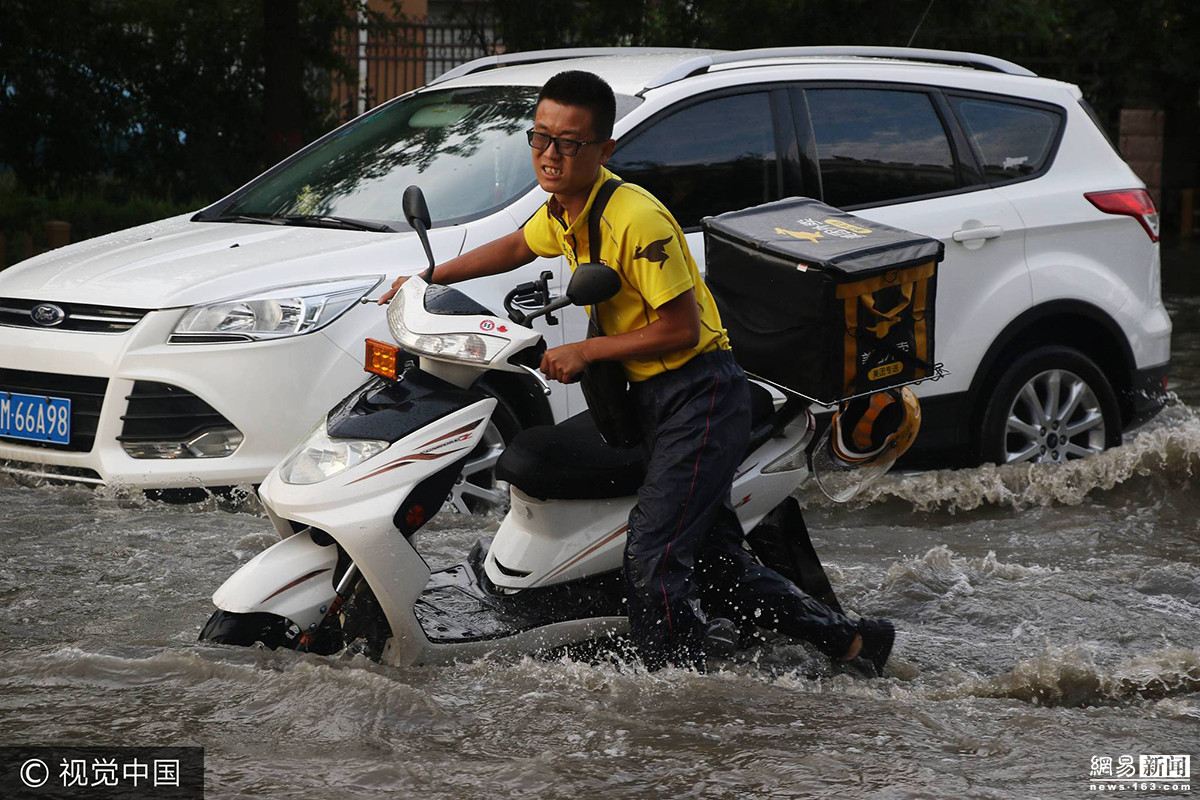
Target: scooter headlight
{"x": 472, "y": 348}
{"x": 319, "y": 457}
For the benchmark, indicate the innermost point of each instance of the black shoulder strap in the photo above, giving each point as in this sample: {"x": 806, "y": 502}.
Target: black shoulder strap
{"x": 594, "y": 215}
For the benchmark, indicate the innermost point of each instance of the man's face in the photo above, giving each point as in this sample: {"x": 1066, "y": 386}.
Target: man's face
{"x": 561, "y": 175}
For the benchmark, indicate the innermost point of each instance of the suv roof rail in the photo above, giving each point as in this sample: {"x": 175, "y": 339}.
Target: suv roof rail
{"x": 536, "y": 56}
{"x": 702, "y": 63}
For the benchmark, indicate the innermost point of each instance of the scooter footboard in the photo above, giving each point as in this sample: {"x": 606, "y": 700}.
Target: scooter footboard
{"x": 292, "y": 579}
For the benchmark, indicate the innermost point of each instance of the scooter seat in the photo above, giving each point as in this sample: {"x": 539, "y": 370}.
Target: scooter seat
{"x": 570, "y": 461}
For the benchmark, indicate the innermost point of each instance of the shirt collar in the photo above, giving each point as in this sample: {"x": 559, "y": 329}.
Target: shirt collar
{"x": 559, "y": 212}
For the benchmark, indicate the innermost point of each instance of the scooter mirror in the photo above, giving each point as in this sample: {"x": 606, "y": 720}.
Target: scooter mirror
{"x": 415, "y": 208}
{"x": 417, "y": 213}
{"x": 593, "y": 283}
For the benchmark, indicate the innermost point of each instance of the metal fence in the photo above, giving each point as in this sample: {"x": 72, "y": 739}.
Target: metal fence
{"x": 388, "y": 59}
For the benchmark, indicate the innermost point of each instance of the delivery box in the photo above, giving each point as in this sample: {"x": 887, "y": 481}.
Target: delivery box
{"x": 822, "y": 302}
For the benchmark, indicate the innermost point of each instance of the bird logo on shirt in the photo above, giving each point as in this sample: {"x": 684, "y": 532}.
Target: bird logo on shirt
{"x": 655, "y": 252}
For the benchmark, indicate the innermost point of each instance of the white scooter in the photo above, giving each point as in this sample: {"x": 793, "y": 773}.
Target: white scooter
{"x": 350, "y": 499}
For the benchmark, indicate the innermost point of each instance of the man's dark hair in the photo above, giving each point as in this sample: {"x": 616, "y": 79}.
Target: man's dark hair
{"x": 586, "y": 90}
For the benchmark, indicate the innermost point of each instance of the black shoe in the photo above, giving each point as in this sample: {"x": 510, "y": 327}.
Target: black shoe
{"x": 878, "y": 636}
{"x": 720, "y": 637}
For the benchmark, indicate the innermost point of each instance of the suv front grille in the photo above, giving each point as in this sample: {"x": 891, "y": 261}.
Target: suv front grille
{"x": 86, "y": 396}
{"x": 78, "y": 317}
{"x": 161, "y": 412}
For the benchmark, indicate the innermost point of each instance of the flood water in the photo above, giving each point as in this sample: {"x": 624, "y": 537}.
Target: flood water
{"x": 1047, "y": 616}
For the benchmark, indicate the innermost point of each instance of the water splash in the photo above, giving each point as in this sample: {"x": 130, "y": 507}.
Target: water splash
{"x": 939, "y": 573}
{"x": 196, "y": 499}
{"x": 1069, "y": 676}
{"x": 1059, "y": 677}
{"x": 1168, "y": 448}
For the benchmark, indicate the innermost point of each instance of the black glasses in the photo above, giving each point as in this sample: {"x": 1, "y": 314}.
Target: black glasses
{"x": 566, "y": 147}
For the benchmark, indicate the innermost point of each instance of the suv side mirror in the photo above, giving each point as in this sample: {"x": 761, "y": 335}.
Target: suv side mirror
{"x": 593, "y": 283}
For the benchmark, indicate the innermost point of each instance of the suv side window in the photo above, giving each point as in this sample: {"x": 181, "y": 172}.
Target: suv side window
{"x": 877, "y": 145}
{"x": 714, "y": 156}
{"x": 1013, "y": 140}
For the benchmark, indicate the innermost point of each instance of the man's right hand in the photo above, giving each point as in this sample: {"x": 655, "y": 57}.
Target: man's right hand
{"x": 390, "y": 293}
{"x": 499, "y": 255}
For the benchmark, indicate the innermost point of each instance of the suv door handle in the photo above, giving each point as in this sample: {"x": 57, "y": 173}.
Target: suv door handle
{"x": 976, "y": 234}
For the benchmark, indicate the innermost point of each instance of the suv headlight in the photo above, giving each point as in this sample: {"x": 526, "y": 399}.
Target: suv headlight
{"x": 473, "y": 348}
{"x": 319, "y": 457}
{"x": 275, "y": 314}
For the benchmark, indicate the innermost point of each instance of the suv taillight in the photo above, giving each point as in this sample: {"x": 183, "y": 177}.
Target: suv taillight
{"x": 1135, "y": 203}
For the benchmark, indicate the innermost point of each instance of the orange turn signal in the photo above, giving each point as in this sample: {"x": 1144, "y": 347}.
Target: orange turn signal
{"x": 381, "y": 358}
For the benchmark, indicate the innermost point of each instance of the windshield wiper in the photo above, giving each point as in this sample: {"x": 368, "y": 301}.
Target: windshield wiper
{"x": 257, "y": 219}
{"x": 314, "y": 220}
{"x": 345, "y": 223}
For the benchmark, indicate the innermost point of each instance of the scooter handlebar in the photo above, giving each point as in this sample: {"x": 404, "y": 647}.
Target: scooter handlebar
{"x": 555, "y": 305}
{"x": 520, "y": 291}
{"x": 533, "y": 292}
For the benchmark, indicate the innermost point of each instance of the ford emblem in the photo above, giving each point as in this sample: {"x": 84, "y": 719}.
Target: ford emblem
{"x": 48, "y": 315}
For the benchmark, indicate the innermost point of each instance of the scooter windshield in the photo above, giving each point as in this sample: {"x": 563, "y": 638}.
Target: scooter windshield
{"x": 466, "y": 148}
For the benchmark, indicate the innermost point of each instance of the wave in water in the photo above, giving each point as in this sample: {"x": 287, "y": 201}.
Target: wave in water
{"x": 197, "y": 499}
{"x": 1167, "y": 448}
{"x": 1069, "y": 676}
{"x": 1059, "y": 677}
{"x": 939, "y": 573}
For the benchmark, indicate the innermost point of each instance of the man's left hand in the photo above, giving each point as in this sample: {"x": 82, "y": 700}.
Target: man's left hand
{"x": 565, "y": 364}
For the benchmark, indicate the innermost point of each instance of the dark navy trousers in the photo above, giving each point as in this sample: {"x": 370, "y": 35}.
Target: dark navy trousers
{"x": 695, "y": 424}
{"x": 738, "y": 587}
{"x": 684, "y": 543}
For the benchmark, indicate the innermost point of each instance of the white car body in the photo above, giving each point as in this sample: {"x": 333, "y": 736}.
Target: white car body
{"x": 1011, "y": 249}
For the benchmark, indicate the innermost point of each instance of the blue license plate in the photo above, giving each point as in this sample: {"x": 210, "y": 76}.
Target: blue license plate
{"x": 35, "y": 417}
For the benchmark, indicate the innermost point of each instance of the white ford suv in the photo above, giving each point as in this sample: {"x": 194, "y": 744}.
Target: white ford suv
{"x": 197, "y": 350}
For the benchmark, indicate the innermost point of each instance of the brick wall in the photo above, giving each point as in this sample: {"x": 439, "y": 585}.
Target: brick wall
{"x": 1142, "y": 146}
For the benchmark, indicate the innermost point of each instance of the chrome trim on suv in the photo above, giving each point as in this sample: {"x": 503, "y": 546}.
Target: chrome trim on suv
{"x": 77, "y": 317}
{"x": 537, "y": 56}
{"x": 704, "y": 60}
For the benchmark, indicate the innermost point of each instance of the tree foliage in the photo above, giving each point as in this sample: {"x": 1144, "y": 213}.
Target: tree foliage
{"x": 1146, "y": 53}
{"x": 164, "y": 97}
{"x": 169, "y": 97}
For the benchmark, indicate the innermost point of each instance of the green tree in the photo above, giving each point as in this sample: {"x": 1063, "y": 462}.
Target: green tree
{"x": 164, "y": 97}
{"x": 1146, "y": 53}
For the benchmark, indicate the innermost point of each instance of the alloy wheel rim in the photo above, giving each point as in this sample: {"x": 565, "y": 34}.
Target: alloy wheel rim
{"x": 1055, "y": 417}
{"x": 476, "y": 488}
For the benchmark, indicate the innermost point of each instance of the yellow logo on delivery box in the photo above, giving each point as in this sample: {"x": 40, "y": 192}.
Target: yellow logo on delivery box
{"x": 808, "y": 237}
{"x": 846, "y": 226}
{"x": 885, "y": 370}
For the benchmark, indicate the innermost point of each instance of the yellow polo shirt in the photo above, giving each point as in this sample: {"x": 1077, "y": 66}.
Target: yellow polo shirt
{"x": 644, "y": 244}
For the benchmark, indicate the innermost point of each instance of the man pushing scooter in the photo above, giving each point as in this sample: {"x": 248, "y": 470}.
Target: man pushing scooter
{"x": 691, "y": 397}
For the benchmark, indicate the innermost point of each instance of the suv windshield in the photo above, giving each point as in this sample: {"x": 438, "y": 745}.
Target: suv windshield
{"x": 465, "y": 148}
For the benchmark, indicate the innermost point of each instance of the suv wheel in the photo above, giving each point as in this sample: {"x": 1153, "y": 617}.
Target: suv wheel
{"x": 1052, "y": 404}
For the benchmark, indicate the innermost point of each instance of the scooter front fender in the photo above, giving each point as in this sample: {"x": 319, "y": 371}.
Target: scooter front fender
{"x": 358, "y": 509}
{"x": 292, "y": 579}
